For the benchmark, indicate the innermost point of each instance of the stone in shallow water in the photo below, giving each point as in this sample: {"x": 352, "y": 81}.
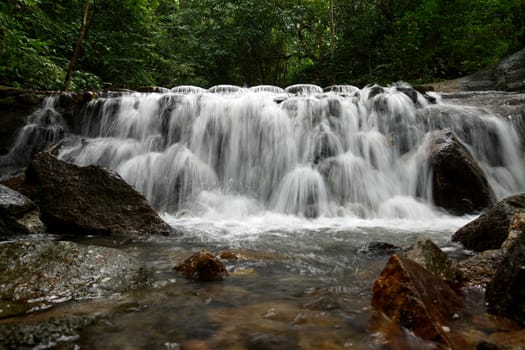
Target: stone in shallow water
{"x": 491, "y": 229}
{"x": 86, "y": 200}
{"x": 203, "y": 266}
{"x": 37, "y": 275}
{"x": 430, "y": 256}
{"x": 412, "y": 298}
{"x": 18, "y": 214}
{"x": 506, "y": 292}
{"x": 459, "y": 185}
{"x": 56, "y": 332}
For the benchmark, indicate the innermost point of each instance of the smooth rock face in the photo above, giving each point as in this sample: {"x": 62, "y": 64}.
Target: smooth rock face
{"x": 458, "y": 183}
{"x": 491, "y": 229}
{"x": 413, "y": 298}
{"x": 18, "y": 214}
{"x": 86, "y": 200}
{"x": 38, "y": 274}
{"x": 506, "y": 292}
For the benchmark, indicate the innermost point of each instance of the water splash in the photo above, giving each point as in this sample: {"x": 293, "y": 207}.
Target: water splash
{"x": 43, "y": 127}
{"x": 343, "y": 151}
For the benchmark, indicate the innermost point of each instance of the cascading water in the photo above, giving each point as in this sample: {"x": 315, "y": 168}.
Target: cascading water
{"x": 43, "y": 127}
{"x": 347, "y": 152}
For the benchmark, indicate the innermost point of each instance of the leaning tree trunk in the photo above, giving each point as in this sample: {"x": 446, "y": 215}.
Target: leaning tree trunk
{"x": 86, "y": 20}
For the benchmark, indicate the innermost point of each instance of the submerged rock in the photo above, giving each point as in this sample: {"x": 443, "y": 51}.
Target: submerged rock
{"x": 506, "y": 292}
{"x": 86, "y": 200}
{"x": 36, "y": 275}
{"x": 18, "y": 214}
{"x": 459, "y": 185}
{"x": 378, "y": 248}
{"x": 203, "y": 266}
{"x": 56, "y": 332}
{"x": 491, "y": 229}
{"x": 412, "y": 298}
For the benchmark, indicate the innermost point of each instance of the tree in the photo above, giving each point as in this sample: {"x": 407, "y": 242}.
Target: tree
{"x": 87, "y": 16}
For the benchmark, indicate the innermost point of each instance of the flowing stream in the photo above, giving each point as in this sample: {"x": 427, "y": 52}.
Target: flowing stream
{"x": 298, "y": 182}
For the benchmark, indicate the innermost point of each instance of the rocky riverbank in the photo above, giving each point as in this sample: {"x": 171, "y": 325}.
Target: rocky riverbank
{"x": 424, "y": 291}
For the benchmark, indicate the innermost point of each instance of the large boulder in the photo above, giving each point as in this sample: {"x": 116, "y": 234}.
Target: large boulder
{"x": 491, "y": 229}
{"x": 506, "y": 292}
{"x": 459, "y": 185}
{"x": 412, "y": 298}
{"x": 86, "y": 200}
{"x": 18, "y": 214}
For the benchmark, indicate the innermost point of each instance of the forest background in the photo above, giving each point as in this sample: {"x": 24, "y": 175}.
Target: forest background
{"x": 133, "y": 43}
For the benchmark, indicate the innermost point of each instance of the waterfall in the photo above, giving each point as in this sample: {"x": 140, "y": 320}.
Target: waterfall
{"x": 43, "y": 127}
{"x": 302, "y": 151}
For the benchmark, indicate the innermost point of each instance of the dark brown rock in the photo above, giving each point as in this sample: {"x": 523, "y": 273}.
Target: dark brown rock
{"x": 411, "y": 297}
{"x": 85, "y": 200}
{"x": 491, "y": 229}
{"x": 506, "y": 292}
{"x": 203, "y": 266}
{"x": 458, "y": 183}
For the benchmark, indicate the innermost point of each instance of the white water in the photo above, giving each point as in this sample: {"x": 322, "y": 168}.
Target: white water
{"x": 232, "y": 152}
{"x": 237, "y": 153}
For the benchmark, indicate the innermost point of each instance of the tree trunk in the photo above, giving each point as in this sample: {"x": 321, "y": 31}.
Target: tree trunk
{"x": 332, "y": 42}
{"x": 86, "y": 20}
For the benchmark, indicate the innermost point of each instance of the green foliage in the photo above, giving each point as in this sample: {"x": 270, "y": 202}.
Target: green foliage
{"x": 131, "y": 43}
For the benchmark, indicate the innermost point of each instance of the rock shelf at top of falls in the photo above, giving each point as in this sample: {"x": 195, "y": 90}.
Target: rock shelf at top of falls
{"x": 301, "y": 151}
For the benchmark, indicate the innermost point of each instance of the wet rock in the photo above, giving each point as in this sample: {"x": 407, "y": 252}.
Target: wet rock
{"x": 56, "y": 332}
{"x": 491, "y": 229}
{"x": 431, "y": 257}
{"x": 36, "y": 275}
{"x": 506, "y": 292}
{"x": 203, "y": 266}
{"x": 513, "y": 340}
{"x": 458, "y": 183}
{"x": 479, "y": 269}
{"x": 18, "y": 214}
{"x": 411, "y": 297}
{"x": 86, "y": 200}
{"x": 378, "y": 248}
